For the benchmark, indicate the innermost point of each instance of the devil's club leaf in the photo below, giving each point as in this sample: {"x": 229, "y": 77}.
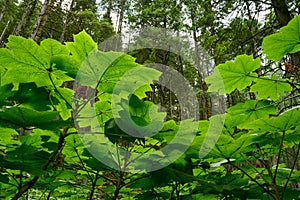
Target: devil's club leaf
{"x": 29, "y": 118}
{"x": 249, "y": 111}
{"x": 28, "y": 52}
{"x": 27, "y": 62}
{"x": 54, "y": 48}
{"x": 28, "y": 94}
{"x": 234, "y": 75}
{"x": 83, "y": 44}
{"x": 287, "y": 120}
{"x": 26, "y": 158}
{"x": 270, "y": 88}
{"x": 286, "y": 41}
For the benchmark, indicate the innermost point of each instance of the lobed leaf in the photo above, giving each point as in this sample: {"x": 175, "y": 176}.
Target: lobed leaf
{"x": 270, "y": 88}
{"x": 233, "y": 75}
{"x": 286, "y": 41}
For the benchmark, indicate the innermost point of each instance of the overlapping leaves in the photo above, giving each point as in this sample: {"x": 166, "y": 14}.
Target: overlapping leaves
{"x": 24, "y": 61}
{"x": 286, "y": 41}
{"x": 240, "y": 74}
{"x": 233, "y": 75}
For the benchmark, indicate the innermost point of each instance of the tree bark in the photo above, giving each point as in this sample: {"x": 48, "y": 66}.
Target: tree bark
{"x": 25, "y": 13}
{"x": 41, "y": 20}
{"x": 62, "y": 36}
{"x": 27, "y": 24}
{"x": 121, "y": 16}
{"x": 282, "y": 13}
{"x": 107, "y": 15}
{"x": 7, "y": 2}
{"x": 202, "y": 84}
{"x": 3, "y": 32}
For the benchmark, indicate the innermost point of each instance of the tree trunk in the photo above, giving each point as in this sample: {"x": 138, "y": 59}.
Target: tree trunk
{"x": 281, "y": 11}
{"x": 25, "y": 13}
{"x": 62, "y": 36}
{"x": 28, "y": 19}
{"x": 7, "y": 2}
{"x": 41, "y": 20}
{"x": 107, "y": 15}
{"x": 3, "y": 33}
{"x": 121, "y": 16}
{"x": 205, "y": 105}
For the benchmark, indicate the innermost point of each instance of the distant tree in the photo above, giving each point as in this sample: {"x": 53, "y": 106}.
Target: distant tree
{"x": 41, "y": 20}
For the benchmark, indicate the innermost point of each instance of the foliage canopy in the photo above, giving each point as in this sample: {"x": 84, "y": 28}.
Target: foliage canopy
{"x": 42, "y": 155}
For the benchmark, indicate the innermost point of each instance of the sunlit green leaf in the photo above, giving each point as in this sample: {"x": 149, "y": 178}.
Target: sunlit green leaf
{"x": 270, "y": 88}
{"x": 81, "y": 47}
{"x": 286, "y": 41}
{"x": 284, "y": 122}
{"x": 249, "y": 111}
{"x": 233, "y": 75}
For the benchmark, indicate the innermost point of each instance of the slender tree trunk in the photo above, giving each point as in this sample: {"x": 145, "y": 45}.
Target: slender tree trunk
{"x": 7, "y": 2}
{"x": 3, "y": 32}
{"x": 121, "y": 16}
{"x": 25, "y": 13}
{"x": 118, "y": 38}
{"x": 202, "y": 84}
{"x": 107, "y": 15}
{"x": 41, "y": 20}
{"x": 62, "y": 36}
{"x": 28, "y": 19}
{"x": 57, "y": 12}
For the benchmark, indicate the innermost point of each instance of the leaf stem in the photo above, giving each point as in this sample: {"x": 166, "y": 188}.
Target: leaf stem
{"x": 252, "y": 179}
{"x": 81, "y": 162}
{"x": 291, "y": 172}
{"x": 279, "y": 155}
{"x": 94, "y": 184}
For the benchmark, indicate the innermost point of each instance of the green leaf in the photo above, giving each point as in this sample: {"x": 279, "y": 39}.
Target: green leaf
{"x": 4, "y": 179}
{"x": 289, "y": 120}
{"x": 2, "y": 72}
{"x": 28, "y": 52}
{"x": 6, "y": 136}
{"x": 103, "y": 108}
{"x": 246, "y": 112}
{"x": 216, "y": 82}
{"x": 81, "y": 47}
{"x": 54, "y": 48}
{"x": 287, "y": 41}
{"x": 139, "y": 118}
{"x": 233, "y": 75}
{"x": 114, "y": 133}
{"x": 106, "y": 68}
{"x": 270, "y": 88}
{"x": 88, "y": 118}
{"x": 27, "y": 62}
{"x": 114, "y": 72}
{"x": 6, "y": 94}
{"x": 27, "y": 95}
{"x": 68, "y": 64}
{"x": 29, "y": 118}
{"x": 64, "y": 96}
{"x": 26, "y": 158}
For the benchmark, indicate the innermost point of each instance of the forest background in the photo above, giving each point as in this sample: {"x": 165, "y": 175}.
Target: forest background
{"x": 248, "y": 46}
